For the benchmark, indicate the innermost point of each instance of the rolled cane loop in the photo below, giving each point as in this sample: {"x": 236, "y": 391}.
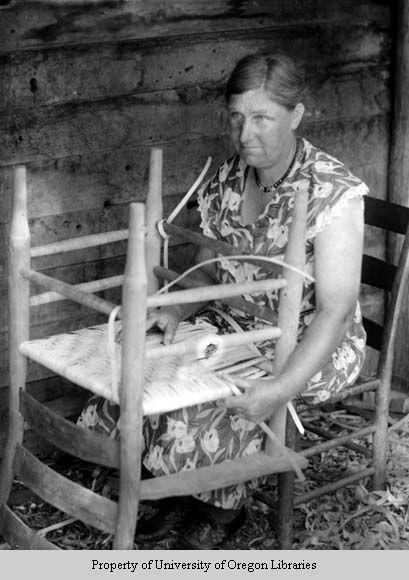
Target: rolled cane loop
{"x": 115, "y": 378}
{"x": 165, "y": 237}
{"x": 176, "y": 211}
{"x": 246, "y": 257}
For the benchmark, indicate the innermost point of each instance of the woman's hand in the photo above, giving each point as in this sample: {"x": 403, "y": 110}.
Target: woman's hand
{"x": 260, "y": 399}
{"x": 166, "y": 319}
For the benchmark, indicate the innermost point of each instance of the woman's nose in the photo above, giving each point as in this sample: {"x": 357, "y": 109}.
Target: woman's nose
{"x": 245, "y": 131}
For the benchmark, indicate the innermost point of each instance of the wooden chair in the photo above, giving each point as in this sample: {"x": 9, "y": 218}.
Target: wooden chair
{"x": 119, "y": 518}
{"x": 392, "y": 279}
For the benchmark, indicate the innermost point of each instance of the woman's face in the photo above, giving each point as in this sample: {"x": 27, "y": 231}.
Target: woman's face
{"x": 262, "y": 130}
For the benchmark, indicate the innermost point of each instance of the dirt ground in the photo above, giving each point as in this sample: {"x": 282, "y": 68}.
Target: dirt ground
{"x": 353, "y": 518}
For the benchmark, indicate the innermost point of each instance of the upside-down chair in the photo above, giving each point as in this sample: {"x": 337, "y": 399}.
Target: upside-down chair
{"x": 81, "y": 362}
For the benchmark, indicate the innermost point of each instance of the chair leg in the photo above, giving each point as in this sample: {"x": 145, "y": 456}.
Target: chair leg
{"x": 380, "y": 438}
{"x": 19, "y": 295}
{"x": 285, "y": 510}
{"x": 285, "y": 492}
{"x": 134, "y": 295}
{"x": 14, "y": 438}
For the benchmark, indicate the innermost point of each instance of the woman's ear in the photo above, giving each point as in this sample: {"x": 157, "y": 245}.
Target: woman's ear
{"x": 297, "y": 113}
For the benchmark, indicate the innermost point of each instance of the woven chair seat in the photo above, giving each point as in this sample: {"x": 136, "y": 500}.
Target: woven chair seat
{"x": 171, "y": 382}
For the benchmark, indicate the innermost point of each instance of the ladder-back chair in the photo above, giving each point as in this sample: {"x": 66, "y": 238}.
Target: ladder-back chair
{"x": 119, "y": 518}
{"x": 392, "y": 279}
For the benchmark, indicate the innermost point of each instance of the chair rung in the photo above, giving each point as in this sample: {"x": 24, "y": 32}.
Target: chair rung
{"x": 215, "y": 292}
{"x": 306, "y": 497}
{"x": 220, "y": 247}
{"x": 67, "y": 436}
{"x": 234, "y": 301}
{"x": 66, "y": 495}
{"x": 330, "y": 436}
{"x": 360, "y": 387}
{"x": 90, "y": 287}
{"x": 341, "y": 440}
{"x": 217, "y": 476}
{"x": 19, "y": 535}
{"x": 69, "y": 292}
{"x": 80, "y": 243}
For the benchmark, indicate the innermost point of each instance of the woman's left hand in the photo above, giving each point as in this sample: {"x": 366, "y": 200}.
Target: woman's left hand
{"x": 260, "y": 399}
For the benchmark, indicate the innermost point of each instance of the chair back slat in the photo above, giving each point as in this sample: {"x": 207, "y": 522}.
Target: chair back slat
{"x": 386, "y": 215}
{"x": 374, "y": 333}
{"x": 377, "y": 273}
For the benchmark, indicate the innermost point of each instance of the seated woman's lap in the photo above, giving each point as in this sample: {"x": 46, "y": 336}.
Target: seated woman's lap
{"x": 186, "y": 439}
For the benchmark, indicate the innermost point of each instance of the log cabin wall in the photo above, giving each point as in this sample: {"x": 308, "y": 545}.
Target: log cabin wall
{"x": 87, "y": 87}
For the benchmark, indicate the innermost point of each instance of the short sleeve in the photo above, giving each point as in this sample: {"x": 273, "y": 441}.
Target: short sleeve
{"x": 210, "y": 196}
{"x": 209, "y": 205}
{"x": 332, "y": 188}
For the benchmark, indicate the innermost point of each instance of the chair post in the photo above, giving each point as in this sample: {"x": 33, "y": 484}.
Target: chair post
{"x": 380, "y": 439}
{"x": 134, "y": 295}
{"x": 153, "y": 216}
{"x": 288, "y": 320}
{"x": 285, "y": 492}
{"x": 19, "y": 296}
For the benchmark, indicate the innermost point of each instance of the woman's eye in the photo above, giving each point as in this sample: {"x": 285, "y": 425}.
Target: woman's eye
{"x": 259, "y": 118}
{"x": 234, "y": 116}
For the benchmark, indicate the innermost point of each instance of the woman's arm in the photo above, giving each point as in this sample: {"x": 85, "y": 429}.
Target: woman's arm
{"x": 337, "y": 260}
{"x": 168, "y": 318}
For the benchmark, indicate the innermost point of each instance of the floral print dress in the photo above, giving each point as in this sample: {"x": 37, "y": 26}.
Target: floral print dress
{"x": 207, "y": 434}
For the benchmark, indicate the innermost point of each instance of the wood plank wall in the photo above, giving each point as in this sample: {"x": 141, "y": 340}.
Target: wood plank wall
{"x": 87, "y": 87}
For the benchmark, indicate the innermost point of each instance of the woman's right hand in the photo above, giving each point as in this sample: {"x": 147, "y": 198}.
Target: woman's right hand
{"x": 166, "y": 319}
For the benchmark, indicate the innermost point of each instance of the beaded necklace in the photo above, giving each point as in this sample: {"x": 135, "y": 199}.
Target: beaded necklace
{"x": 269, "y": 188}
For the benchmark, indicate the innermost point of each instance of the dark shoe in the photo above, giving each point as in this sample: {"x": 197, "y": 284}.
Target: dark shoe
{"x": 205, "y": 532}
{"x": 171, "y": 515}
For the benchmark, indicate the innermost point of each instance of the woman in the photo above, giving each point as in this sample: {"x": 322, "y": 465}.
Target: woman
{"x": 249, "y": 204}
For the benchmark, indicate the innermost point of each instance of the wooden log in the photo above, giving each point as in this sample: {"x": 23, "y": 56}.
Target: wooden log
{"x": 105, "y": 185}
{"x": 19, "y": 325}
{"x": 133, "y": 353}
{"x": 67, "y": 130}
{"x": 95, "y": 181}
{"x": 69, "y": 74}
{"x": 154, "y": 214}
{"x": 42, "y": 25}
{"x": 66, "y": 495}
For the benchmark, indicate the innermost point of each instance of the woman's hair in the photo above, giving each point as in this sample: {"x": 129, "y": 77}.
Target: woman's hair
{"x": 277, "y": 74}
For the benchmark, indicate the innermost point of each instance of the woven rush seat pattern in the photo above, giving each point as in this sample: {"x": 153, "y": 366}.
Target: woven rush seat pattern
{"x": 171, "y": 382}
